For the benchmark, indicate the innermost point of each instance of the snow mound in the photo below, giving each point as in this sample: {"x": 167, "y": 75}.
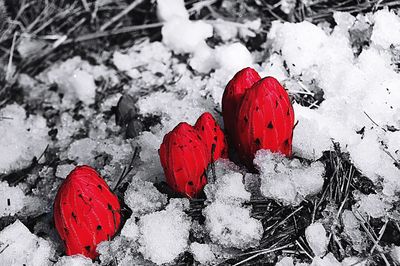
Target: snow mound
{"x": 75, "y": 260}
{"x": 164, "y": 234}
{"x": 142, "y": 197}
{"x": 185, "y": 36}
{"x": 22, "y": 138}
{"x": 372, "y": 205}
{"x": 317, "y": 239}
{"x": 288, "y": 181}
{"x": 167, "y": 10}
{"x": 202, "y": 253}
{"x": 227, "y": 188}
{"x": 383, "y": 34}
{"x": 233, "y": 57}
{"x": 232, "y": 226}
{"x": 21, "y": 247}
{"x": 76, "y": 78}
{"x": 130, "y": 229}
{"x": 328, "y": 260}
{"x": 12, "y": 199}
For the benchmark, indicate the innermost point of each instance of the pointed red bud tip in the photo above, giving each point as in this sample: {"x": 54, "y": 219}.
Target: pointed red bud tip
{"x": 233, "y": 95}
{"x": 86, "y": 212}
{"x": 186, "y": 152}
{"x": 261, "y": 115}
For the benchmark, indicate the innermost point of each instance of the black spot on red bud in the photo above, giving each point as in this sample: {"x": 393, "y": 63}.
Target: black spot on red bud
{"x": 99, "y": 227}
{"x": 87, "y": 248}
{"x": 190, "y": 183}
{"x": 74, "y": 217}
{"x": 270, "y": 125}
{"x": 257, "y": 142}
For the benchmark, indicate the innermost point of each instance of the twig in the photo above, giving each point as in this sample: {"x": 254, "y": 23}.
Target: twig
{"x": 374, "y": 121}
{"x": 10, "y": 59}
{"x": 100, "y": 34}
{"x": 262, "y": 252}
{"x": 126, "y": 171}
{"x": 121, "y": 14}
{"x": 301, "y": 247}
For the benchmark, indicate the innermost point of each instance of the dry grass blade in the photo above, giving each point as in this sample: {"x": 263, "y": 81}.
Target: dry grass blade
{"x": 262, "y": 252}
{"x": 121, "y": 14}
{"x": 374, "y": 239}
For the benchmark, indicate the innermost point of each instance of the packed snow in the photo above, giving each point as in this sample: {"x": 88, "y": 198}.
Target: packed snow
{"x": 22, "y": 138}
{"x": 20, "y": 247}
{"x": 170, "y": 239}
{"x": 288, "y": 181}
{"x": 317, "y": 239}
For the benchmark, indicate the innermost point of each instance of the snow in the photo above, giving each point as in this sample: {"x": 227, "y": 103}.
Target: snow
{"x": 285, "y": 261}
{"x": 373, "y": 205}
{"x": 143, "y": 198}
{"x": 168, "y": 10}
{"x": 395, "y": 254}
{"x": 153, "y": 57}
{"x": 363, "y": 88}
{"x": 130, "y": 229}
{"x": 185, "y": 36}
{"x": 12, "y": 199}
{"x": 225, "y": 30}
{"x": 328, "y": 260}
{"x": 233, "y": 57}
{"x": 202, "y": 253}
{"x": 351, "y": 228}
{"x": 231, "y": 225}
{"x": 63, "y": 170}
{"x": 19, "y": 246}
{"x": 164, "y": 234}
{"x": 228, "y": 188}
{"x": 76, "y": 78}
{"x": 303, "y": 145}
{"x": 384, "y": 35}
{"x": 119, "y": 251}
{"x": 288, "y": 181}
{"x": 75, "y": 260}
{"x": 317, "y": 239}
{"x": 203, "y": 59}
{"x": 22, "y": 137}
{"x": 86, "y": 150}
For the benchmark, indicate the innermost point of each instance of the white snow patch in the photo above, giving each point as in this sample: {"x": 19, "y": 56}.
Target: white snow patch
{"x": 19, "y": 246}
{"x": 130, "y": 229}
{"x": 164, "y": 234}
{"x": 12, "y": 199}
{"x": 232, "y": 226}
{"x": 168, "y": 10}
{"x": 63, "y": 170}
{"x": 76, "y": 78}
{"x": 142, "y": 197}
{"x": 317, "y": 238}
{"x": 75, "y": 260}
{"x": 233, "y": 57}
{"x": 22, "y": 138}
{"x": 386, "y": 29}
{"x": 373, "y": 205}
{"x": 228, "y": 188}
{"x": 288, "y": 181}
{"x": 202, "y": 253}
{"x": 185, "y": 36}
{"x": 328, "y": 260}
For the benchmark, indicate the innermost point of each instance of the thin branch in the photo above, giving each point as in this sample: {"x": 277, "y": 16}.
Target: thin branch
{"x": 120, "y": 15}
